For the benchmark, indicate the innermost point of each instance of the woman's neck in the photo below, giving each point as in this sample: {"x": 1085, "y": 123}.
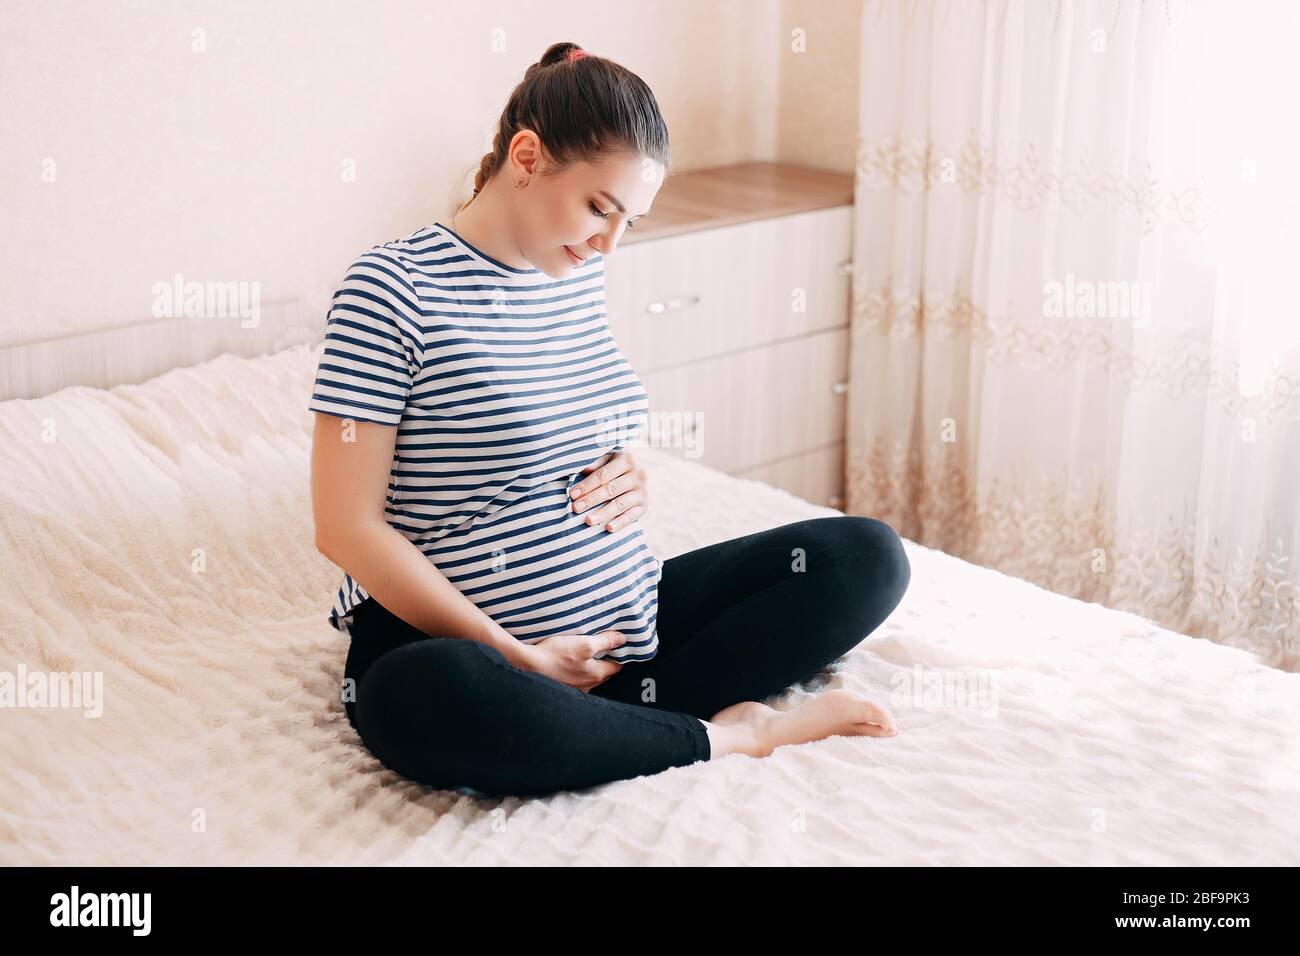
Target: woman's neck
{"x": 481, "y": 224}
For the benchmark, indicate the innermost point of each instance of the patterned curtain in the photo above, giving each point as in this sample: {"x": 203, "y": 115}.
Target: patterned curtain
{"x": 1075, "y": 352}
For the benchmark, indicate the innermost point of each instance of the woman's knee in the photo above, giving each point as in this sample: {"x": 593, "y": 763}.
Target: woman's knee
{"x": 455, "y": 715}
{"x": 413, "y": 706}
{"x": 877, "y": 562}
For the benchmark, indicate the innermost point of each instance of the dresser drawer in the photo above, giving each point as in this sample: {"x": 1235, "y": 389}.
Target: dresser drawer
{"x": 745, "y": 409}
{"x": 700, "y": 294}
{"x": 815, "y": 476}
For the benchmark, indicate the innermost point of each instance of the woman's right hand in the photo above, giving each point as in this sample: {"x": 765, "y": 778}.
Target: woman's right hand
{"x": 571, "y": 658}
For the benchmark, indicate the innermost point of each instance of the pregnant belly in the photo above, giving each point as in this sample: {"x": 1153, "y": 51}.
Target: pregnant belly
{"x": 538, "y": 569}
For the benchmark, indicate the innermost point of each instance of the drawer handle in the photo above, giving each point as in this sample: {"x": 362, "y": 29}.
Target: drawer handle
{"x": 840, "y": 388}
{"x": 682, "y": 302}
{"x": 844, "y": 268}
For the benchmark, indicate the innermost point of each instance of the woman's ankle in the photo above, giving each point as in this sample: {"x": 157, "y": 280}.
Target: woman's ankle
{"x": 732, "y": 739}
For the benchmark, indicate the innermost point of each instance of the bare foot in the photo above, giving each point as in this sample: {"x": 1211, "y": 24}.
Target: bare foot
{"x": 836, "y": 712}
{"x": 746, "y": 712}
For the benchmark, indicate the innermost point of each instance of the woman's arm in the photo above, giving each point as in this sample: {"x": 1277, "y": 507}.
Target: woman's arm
{"x": 349, "y": 484}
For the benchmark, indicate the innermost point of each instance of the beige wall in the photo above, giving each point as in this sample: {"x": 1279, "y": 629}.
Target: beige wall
{"x": 226, "y": 164}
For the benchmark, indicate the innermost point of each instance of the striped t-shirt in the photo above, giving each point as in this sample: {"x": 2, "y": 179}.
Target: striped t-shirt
{"x": 504, "y": 384}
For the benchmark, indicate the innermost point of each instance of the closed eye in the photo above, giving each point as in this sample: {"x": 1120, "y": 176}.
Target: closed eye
{"x": 604, "y": 215}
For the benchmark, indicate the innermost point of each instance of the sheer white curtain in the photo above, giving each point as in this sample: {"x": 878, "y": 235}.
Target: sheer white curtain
{"x": 1076, "y": 333}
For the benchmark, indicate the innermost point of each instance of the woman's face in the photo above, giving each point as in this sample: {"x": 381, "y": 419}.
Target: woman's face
{"x": 584, "y": 208}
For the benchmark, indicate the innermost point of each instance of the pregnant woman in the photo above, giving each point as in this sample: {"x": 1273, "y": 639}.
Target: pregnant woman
{"x": 510, "y": 631}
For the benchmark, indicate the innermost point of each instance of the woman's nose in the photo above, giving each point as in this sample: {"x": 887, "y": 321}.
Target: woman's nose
{"x": 606, "y": 242}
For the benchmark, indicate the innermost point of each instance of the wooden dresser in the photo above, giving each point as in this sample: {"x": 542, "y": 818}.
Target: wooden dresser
{"x": 731, "y": 301}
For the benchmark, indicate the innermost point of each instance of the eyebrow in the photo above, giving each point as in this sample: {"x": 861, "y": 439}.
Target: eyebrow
{"x": 618, "y": 205}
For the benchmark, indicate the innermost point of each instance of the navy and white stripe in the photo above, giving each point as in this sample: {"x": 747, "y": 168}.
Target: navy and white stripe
{"x": 504, "y": 384}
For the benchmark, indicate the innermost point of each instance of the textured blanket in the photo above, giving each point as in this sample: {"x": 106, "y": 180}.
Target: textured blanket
{"x": 156, "y": 540}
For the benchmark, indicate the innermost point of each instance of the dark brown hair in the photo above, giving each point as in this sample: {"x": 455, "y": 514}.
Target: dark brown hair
{"x": 579, "y": 109}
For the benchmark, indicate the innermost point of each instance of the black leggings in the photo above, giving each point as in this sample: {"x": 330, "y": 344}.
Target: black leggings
{"x": 739, "y": 620}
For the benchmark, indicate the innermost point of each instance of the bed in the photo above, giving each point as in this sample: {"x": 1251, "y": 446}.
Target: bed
{"x": 159, "y": 534}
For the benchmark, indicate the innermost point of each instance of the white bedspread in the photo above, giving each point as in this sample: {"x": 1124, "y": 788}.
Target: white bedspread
{"x": 160, "y": 535}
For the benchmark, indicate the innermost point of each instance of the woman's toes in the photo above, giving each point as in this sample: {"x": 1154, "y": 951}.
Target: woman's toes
{"x": 872, "y": 713}
{"x": 865, "y": 715}
{"x": 874, "y": 730}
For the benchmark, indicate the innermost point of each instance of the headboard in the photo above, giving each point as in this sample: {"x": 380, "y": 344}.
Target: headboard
{"x": 132, "y": 353}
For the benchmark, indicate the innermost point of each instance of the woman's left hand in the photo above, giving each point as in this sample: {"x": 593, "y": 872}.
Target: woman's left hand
{"x": 613, "y": 494}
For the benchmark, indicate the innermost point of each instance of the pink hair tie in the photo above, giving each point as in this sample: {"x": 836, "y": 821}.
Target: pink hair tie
{"x": 577, "y": 54}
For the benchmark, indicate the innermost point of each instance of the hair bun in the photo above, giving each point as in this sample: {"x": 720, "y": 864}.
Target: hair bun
{"x": 560, "y": 53}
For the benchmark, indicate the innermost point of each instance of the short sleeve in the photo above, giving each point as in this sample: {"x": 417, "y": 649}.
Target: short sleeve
{"x": 374, "y": 343}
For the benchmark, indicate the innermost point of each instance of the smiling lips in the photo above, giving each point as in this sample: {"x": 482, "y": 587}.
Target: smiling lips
{"x": 576, "y": 257}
